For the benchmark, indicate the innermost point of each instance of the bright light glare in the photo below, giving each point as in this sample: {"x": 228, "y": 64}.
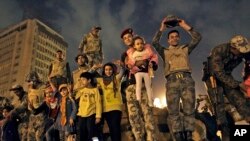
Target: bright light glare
{"x": 160, "y": 103}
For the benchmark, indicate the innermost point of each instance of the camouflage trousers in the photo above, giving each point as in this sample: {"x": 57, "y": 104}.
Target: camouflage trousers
{"x": 140, "y": 116}
{"x": 181, "y": 88}
{"x": 23, "y": 131}
{"x": 94, "y": 58}
{"x": 36, "y": 128}
{"x": 234, "y": 96}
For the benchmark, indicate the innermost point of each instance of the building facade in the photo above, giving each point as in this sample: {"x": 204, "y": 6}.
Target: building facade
{"x": 27, "y": 46}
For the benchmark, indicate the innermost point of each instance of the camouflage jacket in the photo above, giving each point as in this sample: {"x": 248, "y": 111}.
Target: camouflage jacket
{"x": 90, "y": 44}
{"x": 222, "y": 63}
{"x": 179, "y": 54}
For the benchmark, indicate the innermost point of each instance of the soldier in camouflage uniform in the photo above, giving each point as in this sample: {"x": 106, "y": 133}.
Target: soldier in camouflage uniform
{"x": 59, "y": 71}
{"x": 35, "y": 98}
{"x": 20, "y": 103}
{"x": 140, "y": 114}
{"x": 218, "y": 69}
{"x": 91, "y": 45}
{"x": 180, "y": 84}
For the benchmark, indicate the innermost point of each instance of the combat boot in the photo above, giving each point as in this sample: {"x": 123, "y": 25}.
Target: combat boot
{"x": 179, "y": 136}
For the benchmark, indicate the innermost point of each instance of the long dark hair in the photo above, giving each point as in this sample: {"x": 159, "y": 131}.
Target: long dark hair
{"x": 108, "y": 79}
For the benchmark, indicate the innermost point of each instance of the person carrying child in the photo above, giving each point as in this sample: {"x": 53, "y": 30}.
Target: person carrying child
{"x": 142, "y": 51}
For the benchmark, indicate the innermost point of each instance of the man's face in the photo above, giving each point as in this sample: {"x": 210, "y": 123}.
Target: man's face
{"x": 235, "y": 51}
{"x": 59, "y": 55}
{"x": 95, "y": 32}
{"x": 81, "y": 60}
{"x": 127, "y": 39}
{"x": 173, "y": 39}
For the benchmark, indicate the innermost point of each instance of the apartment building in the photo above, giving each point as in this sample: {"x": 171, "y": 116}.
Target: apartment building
{"x": 27, "y": 46}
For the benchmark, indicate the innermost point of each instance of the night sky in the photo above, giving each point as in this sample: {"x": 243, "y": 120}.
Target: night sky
{"x": 217, "y": 21}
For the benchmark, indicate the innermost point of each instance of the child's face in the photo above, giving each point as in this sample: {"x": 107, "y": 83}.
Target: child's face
{"x": 85, "y": 82}
{"x": 138, "y": 45}
{"x": 108, "y": 71}
{"x": 64, "y": 91}
{"x": 5, "y": 113}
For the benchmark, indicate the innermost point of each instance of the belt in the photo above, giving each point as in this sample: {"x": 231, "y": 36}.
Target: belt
{"x": 178, "y": 75}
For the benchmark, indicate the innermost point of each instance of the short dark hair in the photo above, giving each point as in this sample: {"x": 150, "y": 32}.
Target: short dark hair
{"x": 84, "y": 56}
{"x": 173, "y": 31}
{"x": 88, "y": 76}
{"x": 58, "y": 51}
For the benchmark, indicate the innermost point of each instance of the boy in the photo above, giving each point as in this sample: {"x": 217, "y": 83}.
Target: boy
{"x": 90, "y": 108}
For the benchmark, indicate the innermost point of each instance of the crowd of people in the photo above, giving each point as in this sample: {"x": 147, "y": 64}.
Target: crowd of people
{"x": 73, "y": 106}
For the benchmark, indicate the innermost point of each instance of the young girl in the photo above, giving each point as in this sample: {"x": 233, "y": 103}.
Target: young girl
{"x": 67, "y": 113}
{"x": 142, "y": 52}
{"x": 90, "y": 108}
{"x": 109, "y": 84}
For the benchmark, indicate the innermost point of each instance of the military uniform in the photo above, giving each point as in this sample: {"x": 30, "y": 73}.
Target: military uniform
{"x": 60, "y": 72}
{"x": 92, "y": 47}
{"x": 221, "y": 63}
{"x": 140, "y": 115}
{"x": 180, "y": 84}
{"x": 76, "y": 76}
{"x": 36, "y": 122}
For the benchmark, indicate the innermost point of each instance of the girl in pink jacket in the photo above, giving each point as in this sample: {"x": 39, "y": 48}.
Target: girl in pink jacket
{"x": 142, "y": 60}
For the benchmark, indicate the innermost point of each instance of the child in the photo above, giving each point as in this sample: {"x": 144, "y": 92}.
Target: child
{"x": 67, "y": 113}
{"x": 142, "y": 52}
{"x": 90, "y": 108}
{"x": 109, "y": 83}
{"x": 9, "y": 126}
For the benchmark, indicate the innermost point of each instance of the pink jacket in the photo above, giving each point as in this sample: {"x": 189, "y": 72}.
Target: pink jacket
{"x": 150, "y": 55}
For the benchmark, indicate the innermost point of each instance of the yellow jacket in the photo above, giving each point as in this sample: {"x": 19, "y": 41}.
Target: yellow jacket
{"x": 89, "y": 103}
{"x": 110, "y": 100}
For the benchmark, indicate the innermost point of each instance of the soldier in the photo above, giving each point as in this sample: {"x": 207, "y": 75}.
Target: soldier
{"x": 20, "y": 103}
{"x": 180, "y": 84}
{"x": 59, "y": 71}
{"x": 82, "y": 62}
{"x": 91, "y": 45}
{"x": 140, "y": 114}
{"x": 35, "y": 98}
{"x": 223, "y": 59}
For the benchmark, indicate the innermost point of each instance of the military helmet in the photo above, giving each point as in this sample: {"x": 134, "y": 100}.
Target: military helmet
{"x": 172, "y": 21}
{"x": 240, "y": 43}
